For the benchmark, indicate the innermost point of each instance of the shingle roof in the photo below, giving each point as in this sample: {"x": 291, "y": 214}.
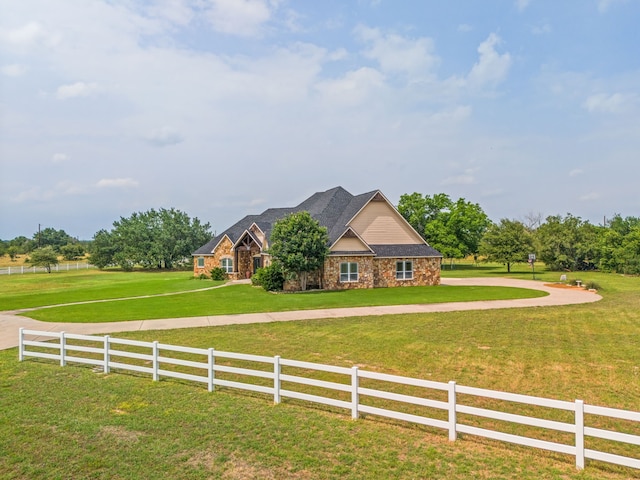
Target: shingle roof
{"x": 332, "y": 209}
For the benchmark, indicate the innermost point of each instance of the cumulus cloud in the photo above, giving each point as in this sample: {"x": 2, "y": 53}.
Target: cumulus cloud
{"x": 398, "y": 54}
{"x": 492, "y": 67}
{"x": 78, "y": 89}
{"x": 610, "y": 103}
{"x": 353, "y": 88}
{"x": 13, "y": 70}
{"x": 165, "y": 136}
{"x": 239, "y": 17}
{"x": 117, "y": 183}
{"x": 522, "y": 4}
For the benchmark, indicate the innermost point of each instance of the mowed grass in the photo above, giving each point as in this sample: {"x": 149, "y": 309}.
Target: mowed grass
{"x": 39, "y": 289}
{"x": 236, "y": 299}
{"x": 73, "y": 422}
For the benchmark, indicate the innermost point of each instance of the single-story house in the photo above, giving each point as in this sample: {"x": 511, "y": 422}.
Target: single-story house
{"x": 370, "y": 243}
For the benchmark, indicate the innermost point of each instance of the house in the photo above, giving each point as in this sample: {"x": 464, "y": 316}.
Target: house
{"x": 370, "y": 243}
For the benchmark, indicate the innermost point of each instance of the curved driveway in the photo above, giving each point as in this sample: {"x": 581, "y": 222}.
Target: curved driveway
{"x": 10, "y": 323}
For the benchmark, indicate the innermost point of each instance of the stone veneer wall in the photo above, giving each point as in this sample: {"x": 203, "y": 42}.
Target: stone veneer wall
{"x": 426, "y": 271}
{"x": 223, "y": 250}
{"x": 332, "y": 273}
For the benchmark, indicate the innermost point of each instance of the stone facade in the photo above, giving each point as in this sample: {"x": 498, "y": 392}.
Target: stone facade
{"x": 426, "y": 271}
{"x": 224, "y": 250}
{"x": 332, "y": 273}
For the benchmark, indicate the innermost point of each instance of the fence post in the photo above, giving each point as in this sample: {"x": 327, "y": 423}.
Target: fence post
{"x": 211, "y": 374}
{"x": 20, "y": 344}
{"x": 105, "y": 369}
{"x": 276, "y": 379}
{"x": 62, "y": 347}
{"x": 355, "y": 397}
{"x": 452, "y": 412}
{"x": 156, "y": 375}
{"x": 579, "y": 434}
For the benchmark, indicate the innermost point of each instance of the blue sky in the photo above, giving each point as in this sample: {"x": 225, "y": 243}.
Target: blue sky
{"x": 223, "y": 108}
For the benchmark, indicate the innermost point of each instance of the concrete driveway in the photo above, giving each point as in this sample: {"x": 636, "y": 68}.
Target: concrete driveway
{"x": 10, "y": 322}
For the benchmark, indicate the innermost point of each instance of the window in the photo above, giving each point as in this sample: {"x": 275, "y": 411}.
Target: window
{"x": 348, "y": 272}
{"x": 227, "y": 264}
{"x": 200, "y": 262}
{"x": 404, "y": 270}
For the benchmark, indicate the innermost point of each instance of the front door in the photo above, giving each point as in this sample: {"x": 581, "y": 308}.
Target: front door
{"x": 257, "y": 263}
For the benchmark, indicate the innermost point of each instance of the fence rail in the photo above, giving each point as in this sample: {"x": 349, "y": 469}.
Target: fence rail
{"x": 265, "y": 375}
{"x": 64, "y": 267}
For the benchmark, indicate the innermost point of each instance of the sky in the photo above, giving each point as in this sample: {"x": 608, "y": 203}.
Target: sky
{"x": 223, "y": 108}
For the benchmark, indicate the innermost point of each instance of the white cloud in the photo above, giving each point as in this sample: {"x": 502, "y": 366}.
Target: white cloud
{"x": 610, "y": 103}
{"x": 239, "y": 17}
{"x": 589, "y": 197}
{"x": 13, "y": 70}
{"x": 459, "y": 180}
{"x": 178, "y": 12}
{"x": 353, "y": 88}
{"x": 117, "y": 183}
{"x": 522, "y": 4}
{"x": 603, "y": 5}
{"x": 59, "y": 157}
{"x": 30, "y": 35}
{"x": 78, "y": 89}
{"x": 398, "y": 54}
{"x": 543, "y": 29}
{"x": 576, "y": 172}
{"x": 165, "y": 136}
{"x": 492, "y": 67}
{"x": 465, "y": 27}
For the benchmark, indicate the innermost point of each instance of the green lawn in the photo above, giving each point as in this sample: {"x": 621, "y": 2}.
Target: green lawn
{"x": 38, "y": 289}
{"x": 73, "y": 422}
{"x": 247, "y": 299}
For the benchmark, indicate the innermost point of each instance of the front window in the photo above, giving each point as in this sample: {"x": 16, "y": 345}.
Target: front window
{"x": 200, "y": 262}
{"x": 348, "y": 272}
{"x": 227, "y": 265}
{"x": 404, "y": 270}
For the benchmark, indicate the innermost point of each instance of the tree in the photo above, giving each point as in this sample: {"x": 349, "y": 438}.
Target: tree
{"x": 152, "y": 239}
{"x": 568, "y": 243}
{"x": 619, "y": 246}
{"x": 53, "y": 238}
{"x": 453, "y": 228}
{"x": 13, "y": 252}
{"x": 299, "y": 245}
{"x": 72, "y": 251}
{"x": 44, "y": 257}
{"x": 508, "y": 242}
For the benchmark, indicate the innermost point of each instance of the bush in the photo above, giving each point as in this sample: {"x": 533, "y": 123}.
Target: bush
{"x": 218, "y": 273}
{"x": 270, "y": 278}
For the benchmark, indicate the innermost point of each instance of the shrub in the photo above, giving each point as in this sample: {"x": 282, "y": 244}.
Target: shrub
{"x": 270, "y": 278}
{"x": 218, "y": 273}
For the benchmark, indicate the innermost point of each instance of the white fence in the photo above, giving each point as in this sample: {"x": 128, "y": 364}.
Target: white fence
{"x": 358, "y": 391}
{"x": 64, "y": 267}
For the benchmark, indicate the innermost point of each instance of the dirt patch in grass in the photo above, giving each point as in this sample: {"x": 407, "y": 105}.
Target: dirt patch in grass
{"x": 120, "y": 434}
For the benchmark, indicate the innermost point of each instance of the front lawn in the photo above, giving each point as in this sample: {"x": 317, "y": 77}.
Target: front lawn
{"x": 236, "y": 299}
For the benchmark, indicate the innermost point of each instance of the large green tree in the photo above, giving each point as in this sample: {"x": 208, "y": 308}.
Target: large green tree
{"x": 507, "y": 242}
{"x": 52, "y": 238}
{"x": 453, "y": 228}
{"x": 44, "y": 257}
{"x": 299, "y": 245}
{"x": 152, "y": 239}
{"x": 568, "y": 243}
{"x": 619, "y": 245}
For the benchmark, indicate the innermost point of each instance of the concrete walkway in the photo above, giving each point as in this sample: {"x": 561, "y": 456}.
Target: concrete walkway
{"x": 10, "y": 323}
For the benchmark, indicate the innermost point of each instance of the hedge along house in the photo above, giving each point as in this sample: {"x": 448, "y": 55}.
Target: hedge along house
{"x": 370, "y": 243}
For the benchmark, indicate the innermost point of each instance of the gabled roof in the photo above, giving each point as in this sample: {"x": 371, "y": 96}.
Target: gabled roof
{"x": 333, "y": 209}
